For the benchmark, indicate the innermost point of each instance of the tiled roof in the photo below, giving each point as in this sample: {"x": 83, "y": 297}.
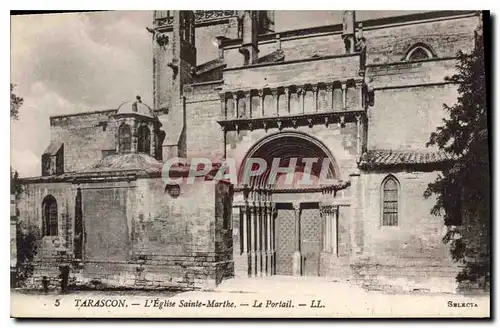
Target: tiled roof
{"x": 385, "y": 158}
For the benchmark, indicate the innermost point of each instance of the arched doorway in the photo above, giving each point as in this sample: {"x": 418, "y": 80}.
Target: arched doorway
{"x": 289, "y": 149}
{"x": 294, "y": 230}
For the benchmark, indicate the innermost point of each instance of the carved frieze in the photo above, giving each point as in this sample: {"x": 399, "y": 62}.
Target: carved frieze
{"x": 200, "y": 16}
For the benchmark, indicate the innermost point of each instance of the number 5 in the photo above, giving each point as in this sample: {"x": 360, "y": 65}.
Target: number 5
{"x": 57, "y": 303}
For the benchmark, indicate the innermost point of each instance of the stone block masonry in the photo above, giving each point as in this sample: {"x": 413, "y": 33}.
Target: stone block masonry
{"x": 140, "y": 236}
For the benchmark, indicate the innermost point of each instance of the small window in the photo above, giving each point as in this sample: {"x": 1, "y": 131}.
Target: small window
{"x": 49, "y": 219}
{"x": 419, "y": 52}
{"x": 390, "y": 202}
{"x": 124, "y": 138}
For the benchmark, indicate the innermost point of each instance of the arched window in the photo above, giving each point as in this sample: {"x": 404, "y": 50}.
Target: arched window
{"x": 390, "y": 201}
{"x": 144, "y": 142}
{"x": 419, "y": 51}
{"x": 49, "y": 216}
{"x": 124, "y": 138}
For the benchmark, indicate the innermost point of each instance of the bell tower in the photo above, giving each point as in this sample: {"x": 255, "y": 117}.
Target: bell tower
{"x": 174, "y": 60}
{"x": 174, "y": 54}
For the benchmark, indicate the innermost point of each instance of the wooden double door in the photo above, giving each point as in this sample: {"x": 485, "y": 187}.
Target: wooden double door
{"x": 307, "y": 239}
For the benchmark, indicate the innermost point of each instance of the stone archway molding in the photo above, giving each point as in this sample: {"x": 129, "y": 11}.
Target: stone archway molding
{"x": 287, "y": 145}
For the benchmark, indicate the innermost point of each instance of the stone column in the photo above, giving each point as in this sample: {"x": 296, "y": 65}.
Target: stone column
{"x": 277, "y": 101}
{"x": 117, "y": 135}
{"x": 133, "y": 127}
{"x": 303, "y": 100}
{"x": 297, "y": 258}
{"x": 287, "y": 94}
{"x": 315, "y": 94}
{"x": 359, "y": 88}
{"x": 251, "y": 247}
{"x": 334, "y": 233}
{"x": 244, "y": 232}
{"x": 258, "y": 236}
{"x": 344, "y": 95}
{"x": 255, "y": 246}
{"x": 261, "y": 97}
{"x": 152, "y": 149}
{"x": 262, "y": 245}
{"x": 326, "y": 234}
{"x": 249, "y": 231}
{"x": 223, "y": 112}
{"x": 248, "y": 104}
{"x": 235, "y": 106}
{"x": 330, "y": 235}
{"x": 273, "y": 238}
{"x": 329, "y": 96}
{"x": 267, "y": 217}
{"x": 358, "y": 137}
{"x": 249, "y": 239}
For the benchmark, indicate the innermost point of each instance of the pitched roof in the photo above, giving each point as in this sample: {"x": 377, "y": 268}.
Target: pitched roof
{"x": 388, "y": 158}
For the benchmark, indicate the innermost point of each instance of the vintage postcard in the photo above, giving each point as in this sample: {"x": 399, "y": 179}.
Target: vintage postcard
{"x": 223, "y": 163}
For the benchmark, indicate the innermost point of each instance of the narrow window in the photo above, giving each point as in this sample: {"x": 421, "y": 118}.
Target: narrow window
{"x": 144, "y": 140}
{"x": 49, "y": 216}
{"x": 124, "y": 138}
{"x": 390, "y": 205}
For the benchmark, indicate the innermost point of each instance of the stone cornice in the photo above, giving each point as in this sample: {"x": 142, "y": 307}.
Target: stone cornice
{"x": 74, "y": 177}
{"x": 202, "y": 18}
{"x": 292, "y": 121}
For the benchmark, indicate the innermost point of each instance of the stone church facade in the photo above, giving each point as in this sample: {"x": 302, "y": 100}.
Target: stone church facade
{"x": 365, "y": 95}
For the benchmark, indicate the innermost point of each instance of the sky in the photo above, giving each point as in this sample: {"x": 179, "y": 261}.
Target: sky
{"x": 70, "y": 63}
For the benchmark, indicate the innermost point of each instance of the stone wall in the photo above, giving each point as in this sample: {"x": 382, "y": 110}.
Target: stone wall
{"x": 404, "y": 118}
{"x": 173, "y": 243}
{"x": 413, "y": 249}
{"x": 136, "y": 234}
{"x": 418, "y": 233}
{"x": 85, "y": 137}
{"x": 30, "y": 214}
{"x": 385, "y": 42}
{"x": 107, "y": 209}
{"x": 204, "y": 136}
{"x": 446, "y": 36}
